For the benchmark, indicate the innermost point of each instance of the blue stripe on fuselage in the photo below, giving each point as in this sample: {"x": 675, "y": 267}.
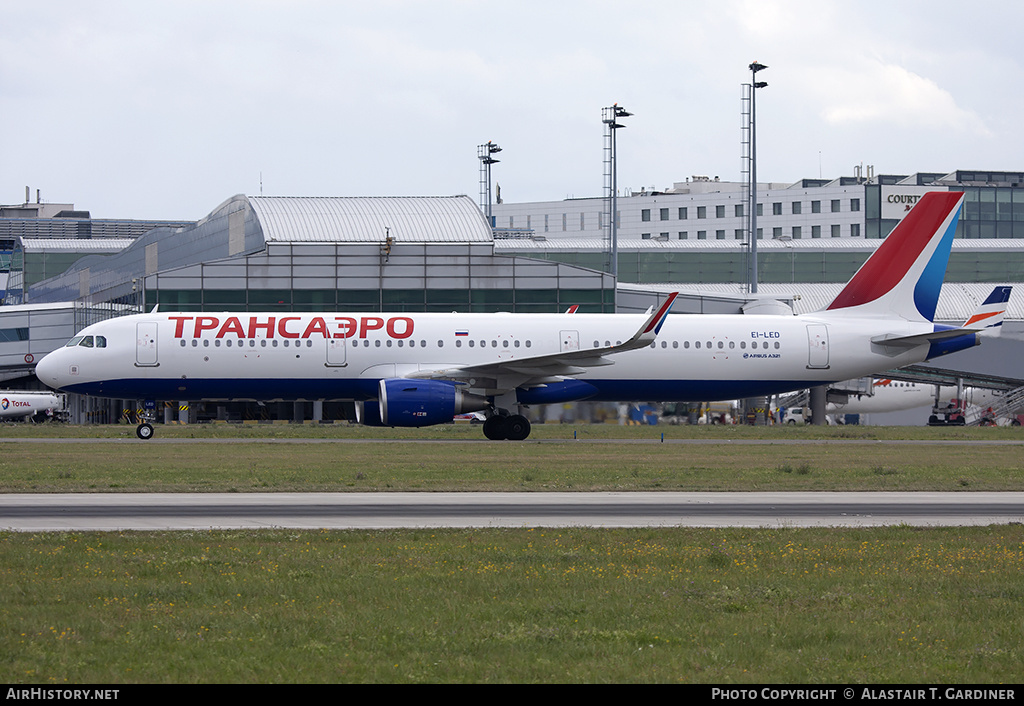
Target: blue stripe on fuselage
{"x": 366, "y": 389}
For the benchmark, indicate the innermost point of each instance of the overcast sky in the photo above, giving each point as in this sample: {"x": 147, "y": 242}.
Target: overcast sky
{"x": 162, "y": 109}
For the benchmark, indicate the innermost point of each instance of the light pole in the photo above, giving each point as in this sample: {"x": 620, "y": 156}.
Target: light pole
{"x": 754, "y": 85}
{"x": 610, "y": 116}
{"x": 484, "y": 153}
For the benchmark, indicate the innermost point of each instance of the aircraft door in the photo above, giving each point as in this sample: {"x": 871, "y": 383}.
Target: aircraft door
{"x": 817, "y": 343}
{"x": 337, "y": 353}
{"x": 145, "y": 345}
{"x": 570, "y": 341}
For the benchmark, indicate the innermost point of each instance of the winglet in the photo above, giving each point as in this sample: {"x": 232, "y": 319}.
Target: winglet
{"x": 658, "y": 318}
{"x": 648, "y": 330}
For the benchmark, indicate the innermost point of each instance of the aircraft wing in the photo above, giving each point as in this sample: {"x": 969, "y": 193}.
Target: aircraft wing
{"x": 551, "y": 367}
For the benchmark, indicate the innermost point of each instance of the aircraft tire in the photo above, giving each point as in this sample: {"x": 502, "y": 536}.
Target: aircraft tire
{"x": 495, "y": 428}
{"x": 144, "y": 431}
{"x": 517, "y": 427}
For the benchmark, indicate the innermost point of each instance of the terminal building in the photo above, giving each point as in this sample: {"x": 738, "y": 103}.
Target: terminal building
{"x": 440, "y": 254}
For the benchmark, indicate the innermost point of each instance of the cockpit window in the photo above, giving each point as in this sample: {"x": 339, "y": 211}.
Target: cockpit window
{"x": 74, "y": 341}
{"x": 101, "y": 341}
{"x": 86, "y": 342}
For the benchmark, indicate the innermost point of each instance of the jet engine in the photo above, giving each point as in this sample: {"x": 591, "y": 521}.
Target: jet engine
{"x": 419, "y": 403}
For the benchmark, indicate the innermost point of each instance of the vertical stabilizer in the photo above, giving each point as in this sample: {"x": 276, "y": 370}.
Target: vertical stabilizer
{"x": 902, "y": 278}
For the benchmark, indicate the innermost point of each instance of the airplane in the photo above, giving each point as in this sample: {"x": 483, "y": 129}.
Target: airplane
{"x": 21, "y": 403}
{"x": 895, "y": 395}
{"x": 421, "y": 369}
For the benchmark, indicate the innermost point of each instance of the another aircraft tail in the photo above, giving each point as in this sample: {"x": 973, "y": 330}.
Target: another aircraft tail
{"x": 902, "y": 278}
{"x": 989, "y": 316}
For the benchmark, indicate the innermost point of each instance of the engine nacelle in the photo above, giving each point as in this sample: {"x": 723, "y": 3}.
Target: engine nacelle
{"x": 420, "y": 403}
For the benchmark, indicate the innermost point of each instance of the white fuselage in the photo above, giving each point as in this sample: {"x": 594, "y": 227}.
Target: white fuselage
{"x": 267, "y": 356}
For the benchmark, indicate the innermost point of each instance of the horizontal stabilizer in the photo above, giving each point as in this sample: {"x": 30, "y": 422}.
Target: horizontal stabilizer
{"x": 922, "y": 338}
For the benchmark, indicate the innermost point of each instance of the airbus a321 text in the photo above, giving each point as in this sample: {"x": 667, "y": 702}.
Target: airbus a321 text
{"x": 413, "y": 370}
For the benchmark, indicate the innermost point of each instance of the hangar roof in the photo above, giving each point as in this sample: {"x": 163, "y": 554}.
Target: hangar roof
{"x": 446, "y": 219}
{"x": 957, "y": 300}
{"x": 101, "y": 245}
{"x": 527, "y": 245}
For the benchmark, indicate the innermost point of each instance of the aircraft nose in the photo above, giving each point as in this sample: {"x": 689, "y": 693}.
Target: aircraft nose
{"x": 48, "y": 370}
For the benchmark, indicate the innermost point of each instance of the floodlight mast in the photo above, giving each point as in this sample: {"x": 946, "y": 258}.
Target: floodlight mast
{"x": 610, "y": 116}
{"x": 484, "y": 153}
{"x": 754, "y": 85}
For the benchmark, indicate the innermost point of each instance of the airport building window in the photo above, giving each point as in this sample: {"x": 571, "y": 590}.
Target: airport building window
{"x": 797, "y": 207}
{"x": 777, "y": 209}
{"x": 645, "y": 215}
{"x": 738, "y": 210}
{"x": 815, "y": 231}
{"x": 835, "y": 230}
{"x": 835, "y": 205}
{"x": 8, "y": 335}
{"x": 855, "y": 204}
{"x": 682, "y": 214}
{"x": 702, "y": 212}
{"x": 719, "y": 211}
{"x": 815, "y": 206}
{"x": 663, "y": 214}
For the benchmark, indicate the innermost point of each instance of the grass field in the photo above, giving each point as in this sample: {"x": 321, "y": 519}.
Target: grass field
{"x": 456, "y": 458}
{"x": 898, "y": 604}
{"x": 683, "y": 605}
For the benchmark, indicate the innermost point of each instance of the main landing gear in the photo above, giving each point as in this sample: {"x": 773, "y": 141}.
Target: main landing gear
{"x": 514, "y": 427}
